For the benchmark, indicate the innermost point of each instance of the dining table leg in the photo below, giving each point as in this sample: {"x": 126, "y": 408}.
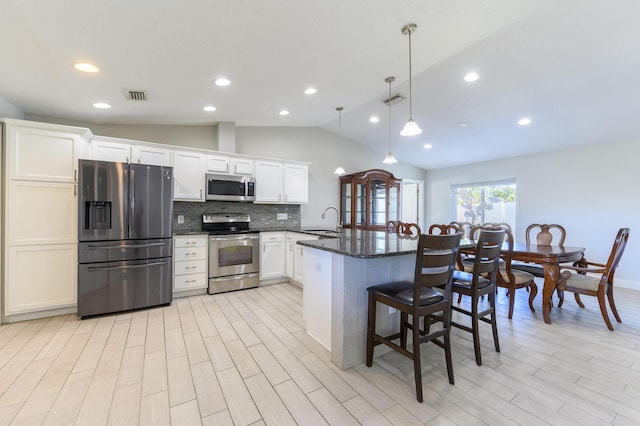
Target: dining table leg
{"x": 551, "y": 274}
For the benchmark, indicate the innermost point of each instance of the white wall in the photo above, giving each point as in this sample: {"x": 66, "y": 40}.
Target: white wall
{"x": 325, "y": 151}
{"x": 591, "y": 191}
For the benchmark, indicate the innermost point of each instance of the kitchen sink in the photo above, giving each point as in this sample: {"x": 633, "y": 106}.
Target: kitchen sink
{"x": 324, "y": 232}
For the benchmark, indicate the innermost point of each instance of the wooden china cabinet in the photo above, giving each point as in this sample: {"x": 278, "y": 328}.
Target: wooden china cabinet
{"x": 369, "y": 199}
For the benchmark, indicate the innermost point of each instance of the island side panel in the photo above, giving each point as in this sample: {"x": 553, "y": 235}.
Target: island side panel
{"x": 316, "y": 294}
{"x": 350, "y": 279}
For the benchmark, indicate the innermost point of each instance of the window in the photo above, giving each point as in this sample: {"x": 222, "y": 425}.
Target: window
{"x": 485, "y": 202}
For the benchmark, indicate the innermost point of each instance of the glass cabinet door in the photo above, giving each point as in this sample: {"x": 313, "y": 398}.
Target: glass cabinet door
{"x": 394, "y": 203}
{"x": 345, "y": 206}
{"x": 361, "y": 203}
{"x": 378, "y": 197}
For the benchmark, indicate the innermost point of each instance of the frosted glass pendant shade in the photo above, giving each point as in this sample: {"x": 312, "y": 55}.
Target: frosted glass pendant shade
{"x": 339, "y": 171}
{"x": 411, "y": 129}
{"x": 389, "y": 159}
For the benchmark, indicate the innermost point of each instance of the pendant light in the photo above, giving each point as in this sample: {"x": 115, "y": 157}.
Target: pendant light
{"x": 339, "y": 169}
{"x": 389, "y": 158}
{"x": 411, "y": 128}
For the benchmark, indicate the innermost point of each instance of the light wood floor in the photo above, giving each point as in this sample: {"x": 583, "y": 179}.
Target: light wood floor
{"x": 244, "y": 358}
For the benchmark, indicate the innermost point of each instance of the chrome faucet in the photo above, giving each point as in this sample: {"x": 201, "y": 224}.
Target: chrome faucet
{"x": 338, "y": 221}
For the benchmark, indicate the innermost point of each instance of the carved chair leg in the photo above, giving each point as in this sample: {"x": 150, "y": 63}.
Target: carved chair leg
{"x": 612, "y": 303}
{"x": 532, "y": 295}
{"x": 512, "y": 299}
{"x": 560, "y": 297}
{"x": 603, "y": 309}
{"x": 578, "y": 301}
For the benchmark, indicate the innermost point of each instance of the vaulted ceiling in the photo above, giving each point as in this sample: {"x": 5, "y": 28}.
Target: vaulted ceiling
{"x": 569, "y": 66}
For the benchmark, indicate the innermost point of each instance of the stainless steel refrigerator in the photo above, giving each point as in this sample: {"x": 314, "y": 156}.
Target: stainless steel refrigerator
{"x": 125, "y": 236}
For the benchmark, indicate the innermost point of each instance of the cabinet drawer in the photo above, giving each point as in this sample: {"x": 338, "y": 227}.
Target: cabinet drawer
{"x": 191, "y": 267}
{"x": 199, "y": 241}
{"x": 190, "y": 253}
{"x": 190, "y": 281}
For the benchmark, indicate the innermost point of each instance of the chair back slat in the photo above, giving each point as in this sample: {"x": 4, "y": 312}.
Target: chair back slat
{"x": 435, "y": 261}
{"x": 487, "y": 254}
{"x": 619, "y": 245}
{"x": 441, "y": 229}
{"x": 545, "y": 236}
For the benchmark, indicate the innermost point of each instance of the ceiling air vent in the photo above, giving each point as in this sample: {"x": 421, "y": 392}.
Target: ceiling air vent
{"x": 394, "y": 99}
{"x": 136, "y": 95}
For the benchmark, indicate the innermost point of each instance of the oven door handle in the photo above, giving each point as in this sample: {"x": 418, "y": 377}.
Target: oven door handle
{"x": 234, "y": 237}
{"x": 113, "y": 268}
{"x": 125, "y": 246}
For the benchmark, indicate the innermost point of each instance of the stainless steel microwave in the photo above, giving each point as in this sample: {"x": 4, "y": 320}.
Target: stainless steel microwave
{"x": 230, "y": 188}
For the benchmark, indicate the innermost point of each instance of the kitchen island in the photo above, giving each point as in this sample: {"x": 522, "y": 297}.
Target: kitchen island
{"x": 337, "y": 273}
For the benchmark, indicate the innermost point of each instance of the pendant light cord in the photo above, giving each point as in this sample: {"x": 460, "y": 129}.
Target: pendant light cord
{"x": 410, "y": 85}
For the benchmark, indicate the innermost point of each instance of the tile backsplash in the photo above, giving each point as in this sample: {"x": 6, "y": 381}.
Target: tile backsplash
{"x": 263, "y": 216}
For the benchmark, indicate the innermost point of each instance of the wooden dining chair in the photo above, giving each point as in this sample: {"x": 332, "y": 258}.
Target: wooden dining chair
{"x": 435, "y": 261}
{"x": 464, "y": 227}
{"x": 547, "y": 234}
{"x": 480, "y": 282}
{"x": 405, "y": 228}
{"x": 509, "y": 278}
{"x": 600, "y": 286}
{"x": 441, "y": 229}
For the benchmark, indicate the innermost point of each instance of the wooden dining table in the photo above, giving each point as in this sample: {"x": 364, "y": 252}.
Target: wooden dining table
{"x": 550, "y": 257}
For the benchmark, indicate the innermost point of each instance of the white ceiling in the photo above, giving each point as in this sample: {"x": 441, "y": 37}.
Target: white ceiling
{"x": 570, "y": 65}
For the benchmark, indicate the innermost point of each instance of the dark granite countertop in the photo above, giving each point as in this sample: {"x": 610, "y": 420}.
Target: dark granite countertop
{"x": 366, "y": 244}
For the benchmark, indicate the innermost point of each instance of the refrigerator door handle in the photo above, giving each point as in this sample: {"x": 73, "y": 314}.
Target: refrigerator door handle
{"x": 111, "y": 268}
{"x": 132, "y": 197}
{"x": 125, "y": 246}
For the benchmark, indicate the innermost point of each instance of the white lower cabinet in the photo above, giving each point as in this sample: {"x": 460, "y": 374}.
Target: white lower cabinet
{"x": 272, "y": 255}
{"x": 190, "y": 262}
{"x": 294, "y": 255}
{"x": 41, "y": 277}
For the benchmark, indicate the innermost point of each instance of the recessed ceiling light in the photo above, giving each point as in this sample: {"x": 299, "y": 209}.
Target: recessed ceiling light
{"x": 471, "y": 76}
{"x": 428, "y": 146}
{"x": 374, "y": 119}
{"x": 222, "y": 82}
{"x": 101, "y": 105}
{"x": 310, "y": 91}
{"x": 85, "y": 67}
{"x": 524, "y": 121}
{"x": 209, "y": 108}
{"x": 463, "y": 124}
{"x": 284, "y": 112}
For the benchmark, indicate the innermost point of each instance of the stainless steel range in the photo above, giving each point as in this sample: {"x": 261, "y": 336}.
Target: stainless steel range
{"x": 234, "y": 252}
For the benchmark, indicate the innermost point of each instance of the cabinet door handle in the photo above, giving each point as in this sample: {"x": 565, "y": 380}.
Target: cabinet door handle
{"x": 190, "y": 281}
{"x": 200, "y": 192}
{"x": 190, "y": 254}
{"x": 191, "y": 267}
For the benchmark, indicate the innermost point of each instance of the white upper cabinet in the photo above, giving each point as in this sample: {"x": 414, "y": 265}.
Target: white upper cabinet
{"x": 296, "y": 183}
{"x": 268, "y": 182}
{"x": 189, "y": 176}
{"x": 104, "y": 148}
{"x": 242, "y": 166}
{"x": 217, "y": 164}
{"x": 43, "y": 152}
{"x": 110, "y": 150}
{"x": 230, "y": 165}
{"x": 152, "y": 155}
{"x": 282, "y": 183}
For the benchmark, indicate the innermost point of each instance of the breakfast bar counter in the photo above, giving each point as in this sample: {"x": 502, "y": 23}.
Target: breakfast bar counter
{"x": 337, "y": 272}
